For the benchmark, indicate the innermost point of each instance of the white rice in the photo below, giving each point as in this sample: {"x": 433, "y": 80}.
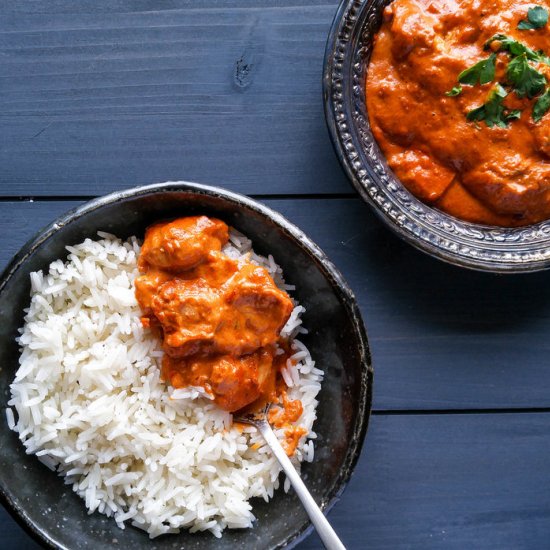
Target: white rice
{"x": 89, "y": 402}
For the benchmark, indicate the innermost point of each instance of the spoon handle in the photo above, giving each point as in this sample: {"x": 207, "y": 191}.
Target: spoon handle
{"x": 325, "y": 531}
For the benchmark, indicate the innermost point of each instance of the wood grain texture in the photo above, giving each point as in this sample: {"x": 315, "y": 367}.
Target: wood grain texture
{"x": 99, "y": 97}
{"x": 436, "y": 481}
{"x": 449, "y": 481}
{"x": 441, "y": 337}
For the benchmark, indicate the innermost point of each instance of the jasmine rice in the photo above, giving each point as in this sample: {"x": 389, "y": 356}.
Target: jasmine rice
{"x": 88, "y": 401}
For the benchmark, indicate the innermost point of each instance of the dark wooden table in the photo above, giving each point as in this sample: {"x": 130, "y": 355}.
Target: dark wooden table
{"x": 100, "y": 95}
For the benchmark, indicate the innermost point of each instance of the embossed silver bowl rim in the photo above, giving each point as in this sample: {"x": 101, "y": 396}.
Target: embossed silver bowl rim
{"x": 485, "y": 248}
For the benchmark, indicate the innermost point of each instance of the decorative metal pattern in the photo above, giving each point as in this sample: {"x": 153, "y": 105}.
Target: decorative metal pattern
{"x": 461, "y": 243}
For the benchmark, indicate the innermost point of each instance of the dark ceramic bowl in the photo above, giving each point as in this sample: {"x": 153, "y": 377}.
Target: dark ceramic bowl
{"x": 53, "y": 514}
{"x": 349, "y": 46}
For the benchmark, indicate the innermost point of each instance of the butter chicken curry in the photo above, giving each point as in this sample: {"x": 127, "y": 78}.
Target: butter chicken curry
{"x": 220, "y": 319}
{"x": 458, "y": 100}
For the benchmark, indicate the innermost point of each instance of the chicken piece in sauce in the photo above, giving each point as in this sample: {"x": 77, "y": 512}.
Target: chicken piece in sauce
{"x": 220, "y": 319}
{"x": 181, "y": 244}
{"x": 245, "y": 313}
{"x": 255, "y": 311}
{"x": 215, "y": 269}
{"x": 189, "y": 312}
{"x": 233, "y": 381}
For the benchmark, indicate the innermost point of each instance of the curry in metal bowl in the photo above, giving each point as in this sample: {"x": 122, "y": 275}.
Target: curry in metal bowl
{"x": 439, "y": 113}
{"x": 458, "y": 99}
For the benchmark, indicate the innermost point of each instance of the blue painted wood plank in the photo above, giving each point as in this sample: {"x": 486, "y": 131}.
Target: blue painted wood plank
{"x": 436, "y": 481}
{"x": 441, "y": 337}
{"x": 94, "y": 99}
{"x": 449, "y": 481}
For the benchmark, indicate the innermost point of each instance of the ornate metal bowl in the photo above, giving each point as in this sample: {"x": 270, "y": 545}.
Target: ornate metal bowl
{"x": 486, "y": 248}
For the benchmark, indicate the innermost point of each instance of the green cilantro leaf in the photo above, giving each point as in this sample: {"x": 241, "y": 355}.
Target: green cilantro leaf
{"x": 477, "y": 114}
{"x": 527, "y": 81}
{"x": 513, "y": 115}
{"x": 493, "y": 111}
{"x": 457, "y": 90}
{"x": 522, "y": 77}
{"x": 537, "y": 18}
{"x": 541, "y": 105}
{"x": 482, "y": 72}
{"x": 516, "y": 48}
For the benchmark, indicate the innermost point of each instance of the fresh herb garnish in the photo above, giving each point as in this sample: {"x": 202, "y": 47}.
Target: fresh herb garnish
{"x": 537, "y": 17}
{"x": 482, "y": 72}
{"x": 521, "y": 77}
{"x": 527, "y": 81}
{"x": 513, "y": 115}
{"x": 541, "y": 105}
{"x": 516, "y": 48}
{"x": 493, "y": 112}
{"x": 457, "y": 90}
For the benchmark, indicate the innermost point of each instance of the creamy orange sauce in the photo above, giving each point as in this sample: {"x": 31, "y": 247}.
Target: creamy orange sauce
{"x": 288, "y": 412}
{"x": 219, "y": 319}
{"x": 283, "y": 416}
{"x": 495, "y": 176}
{"x": 293, "y": 434}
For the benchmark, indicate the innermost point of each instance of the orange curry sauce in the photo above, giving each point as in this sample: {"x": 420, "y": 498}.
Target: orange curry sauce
{"x": 219, "y": 319}
{"x": 495, "y": 176}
